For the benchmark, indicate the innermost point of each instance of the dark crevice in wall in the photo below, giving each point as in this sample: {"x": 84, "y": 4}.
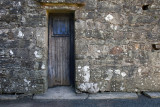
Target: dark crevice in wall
{"x": 9, "y": 93}
{"x": 145, "y": 7}
{"x": 155, "y": 47}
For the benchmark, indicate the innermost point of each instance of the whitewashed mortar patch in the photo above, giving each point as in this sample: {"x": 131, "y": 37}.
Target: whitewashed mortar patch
{"x": 37, "y": 54}
{"x": 110, "y": 74}
{"x": 28, "y": 82}
{"x": 117, "y": 71}
{"x": 86, "y": 75}
{"x": 11, "y": 52}
{"x": 43, "y": 66}
{"x": 20, "y": 34}
{"x": 123, "y": 74}
{"x": 109, "y": 17}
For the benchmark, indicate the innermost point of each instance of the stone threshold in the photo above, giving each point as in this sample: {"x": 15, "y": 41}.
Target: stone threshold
{"x": 67, "y": 93}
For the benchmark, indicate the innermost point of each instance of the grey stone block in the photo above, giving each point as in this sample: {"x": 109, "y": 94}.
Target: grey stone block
{"x": 8, "y": 97}
{"x": 152, "y": 94}
{"x": 113, "y": 95}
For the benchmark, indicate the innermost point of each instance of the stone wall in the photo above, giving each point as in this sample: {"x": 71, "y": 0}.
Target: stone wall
{"x": 114, "y": 49}
{"x": 116, "y": 44}
{"x": 23, "y": 48}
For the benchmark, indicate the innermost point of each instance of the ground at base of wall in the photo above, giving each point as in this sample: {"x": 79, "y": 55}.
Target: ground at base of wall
{"x": 67, "y": 93}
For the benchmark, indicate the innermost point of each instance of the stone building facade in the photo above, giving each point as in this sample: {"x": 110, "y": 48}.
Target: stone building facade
{"x": 117, "y": 44}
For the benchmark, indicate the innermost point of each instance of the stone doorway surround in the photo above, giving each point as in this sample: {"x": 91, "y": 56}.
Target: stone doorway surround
{"x": 51, "y": 6}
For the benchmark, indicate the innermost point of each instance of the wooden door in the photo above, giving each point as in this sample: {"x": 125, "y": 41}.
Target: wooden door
{"x": 61, "y": 49}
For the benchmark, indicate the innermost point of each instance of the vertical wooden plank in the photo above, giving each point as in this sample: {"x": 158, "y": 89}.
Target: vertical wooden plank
{"x": 65, "y": 63}
{"x": 51, "y": 72}
{"x": 60, "y": 60}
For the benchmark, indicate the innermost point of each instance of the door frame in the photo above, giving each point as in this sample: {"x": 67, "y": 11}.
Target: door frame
{"x": 72, "y": 43}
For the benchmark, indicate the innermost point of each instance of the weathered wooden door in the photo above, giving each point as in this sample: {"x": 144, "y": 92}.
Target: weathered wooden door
{"x": 61, "y": 49}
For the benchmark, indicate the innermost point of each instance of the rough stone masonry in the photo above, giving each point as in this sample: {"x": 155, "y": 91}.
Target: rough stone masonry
{"x": 117, "y": 45}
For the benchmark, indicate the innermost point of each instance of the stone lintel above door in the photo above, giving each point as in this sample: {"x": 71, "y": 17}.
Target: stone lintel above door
{"x": 78, "y": 3}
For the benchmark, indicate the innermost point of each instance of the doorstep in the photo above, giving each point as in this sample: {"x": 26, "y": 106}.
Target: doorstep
{"x": 61, "y": 92}
{"x": 68, "y": 93}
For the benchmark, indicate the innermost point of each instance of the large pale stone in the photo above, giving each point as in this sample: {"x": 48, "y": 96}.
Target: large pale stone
{"x": 113, "y": 95}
